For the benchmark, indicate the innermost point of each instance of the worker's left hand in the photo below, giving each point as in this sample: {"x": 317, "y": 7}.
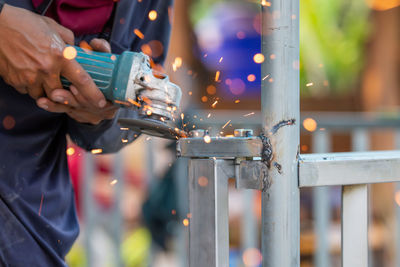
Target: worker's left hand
{"x": 74, "y": 104}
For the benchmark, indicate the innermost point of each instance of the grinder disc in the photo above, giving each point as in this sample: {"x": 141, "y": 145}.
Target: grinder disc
{"x": 152, "y": 127}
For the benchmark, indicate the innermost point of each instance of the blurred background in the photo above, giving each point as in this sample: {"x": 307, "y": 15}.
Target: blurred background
{"x": 133, "y": 206}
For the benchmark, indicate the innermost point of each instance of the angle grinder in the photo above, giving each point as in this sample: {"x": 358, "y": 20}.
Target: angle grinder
{"x": 127, "y": 80}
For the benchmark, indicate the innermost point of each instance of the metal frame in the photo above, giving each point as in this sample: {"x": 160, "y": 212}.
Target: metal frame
{"x": 280, "y": 171}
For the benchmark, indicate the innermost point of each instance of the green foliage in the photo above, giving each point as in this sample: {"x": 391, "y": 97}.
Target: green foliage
{"x": 332, "y": 40}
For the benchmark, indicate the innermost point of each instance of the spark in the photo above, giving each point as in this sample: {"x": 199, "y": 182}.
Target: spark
{"x": 146, "y": 100}
{"x": 185, "y": 222}
{"x": 182, "y": 116}
{"x": 124, "y": 140}
{"x": 41, "y": 204}
{"x": 113, "y": 182}
{"x": 215, "y": 103}
{"x": 217, "y": 75}
{"x": 70, "y": 52}
{"x": 209, "y": 115}
{"x": 309, "y": 84}
{"x": 207, "y": 139}
{"x": 226, "y": 124}
{"x": 124, "y": 129}
{"x": 237, "y": 101}
{"x": 138, "y": 33}
{"x": 152, "y": 15}
{"x": 220, "y": 60}
{"x": 133, "y": 102}
{"x": 265, "y": 77}
{"x": 248, "y": 114}
{"x": 70, "y": 151}
{"x": 96, "y": 151}
{"x": 190, "y": 93}
{"x": 122, "y": 102}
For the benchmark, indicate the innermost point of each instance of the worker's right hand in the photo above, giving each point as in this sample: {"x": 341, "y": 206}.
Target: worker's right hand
{"x": 31, "y": 56}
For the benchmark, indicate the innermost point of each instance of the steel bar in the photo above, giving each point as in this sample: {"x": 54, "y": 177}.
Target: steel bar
{"x": 355, "y": 226}
{"x": 208, "y": 201}
{"x": 359, "y": 140}
{"x": 89, "y": 206}
{"x": 280, "y": 125}
{"x": 116, "y": 219}
{"x": 181, "y": 185}
{"x": 321, "y": 143}
{"x": 249, "y": 221}
{"x": 334, "y": 121}
{"x": 220, "y": 147}
{"x": 349, "y": 168}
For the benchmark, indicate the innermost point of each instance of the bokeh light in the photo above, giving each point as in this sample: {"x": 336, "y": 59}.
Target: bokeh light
{"x": 258, "y": 58}
{"x": 70, "y": 52}
{"x": 310, "y": 124}
{"x": 152, "y": 15}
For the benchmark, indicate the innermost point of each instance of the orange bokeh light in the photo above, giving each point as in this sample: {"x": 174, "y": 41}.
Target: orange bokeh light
{"x": 251, "y": 78}
{"x": 211, "y": 89}
{"x": 258, "y": 58}
{"x": 70, "y": 52}
{"x": 152, "y": 15}
{"x": 310, "y": 124}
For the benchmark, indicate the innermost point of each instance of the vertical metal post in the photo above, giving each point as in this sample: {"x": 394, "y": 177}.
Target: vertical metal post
{"x": 181, "y": 244}
{"x": 117, "y": 224}
{"x": 280, "y": 124}
{"x": 249, "y": 227}
{"x": 209, "y": 225}
{"x": 355, "y": 226}
{"x": 355, "y": 204}
{"x": 321, "y": 144}
{"x": 89, "y": 206}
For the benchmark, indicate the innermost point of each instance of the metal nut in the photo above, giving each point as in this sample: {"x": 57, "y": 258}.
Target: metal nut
{"x": 243, "y": 132}
{"x": 198, "y": 133}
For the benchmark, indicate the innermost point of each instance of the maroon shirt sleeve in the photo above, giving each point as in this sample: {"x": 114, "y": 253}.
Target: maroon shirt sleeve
{"x": 80, "y": 16}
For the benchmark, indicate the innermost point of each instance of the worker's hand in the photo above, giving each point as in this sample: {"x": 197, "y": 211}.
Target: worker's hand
{"x": 31, "y": 56}
{"x": 74, "y": 103}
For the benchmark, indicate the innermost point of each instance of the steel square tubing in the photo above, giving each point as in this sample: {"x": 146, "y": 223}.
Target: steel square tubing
{"x": 349, "y": 168}
{"x": 208, "y": 201}
{"x": 355, "y": 226}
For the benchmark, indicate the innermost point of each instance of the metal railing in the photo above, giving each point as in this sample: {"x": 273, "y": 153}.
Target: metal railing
{"x": 271, "y": 163}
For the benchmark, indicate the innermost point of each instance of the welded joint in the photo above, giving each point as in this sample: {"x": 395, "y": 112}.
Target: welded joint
{"x": 267, "y": 155}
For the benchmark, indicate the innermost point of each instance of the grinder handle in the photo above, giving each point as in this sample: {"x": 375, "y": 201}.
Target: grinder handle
{"x": 110, "y": 72}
